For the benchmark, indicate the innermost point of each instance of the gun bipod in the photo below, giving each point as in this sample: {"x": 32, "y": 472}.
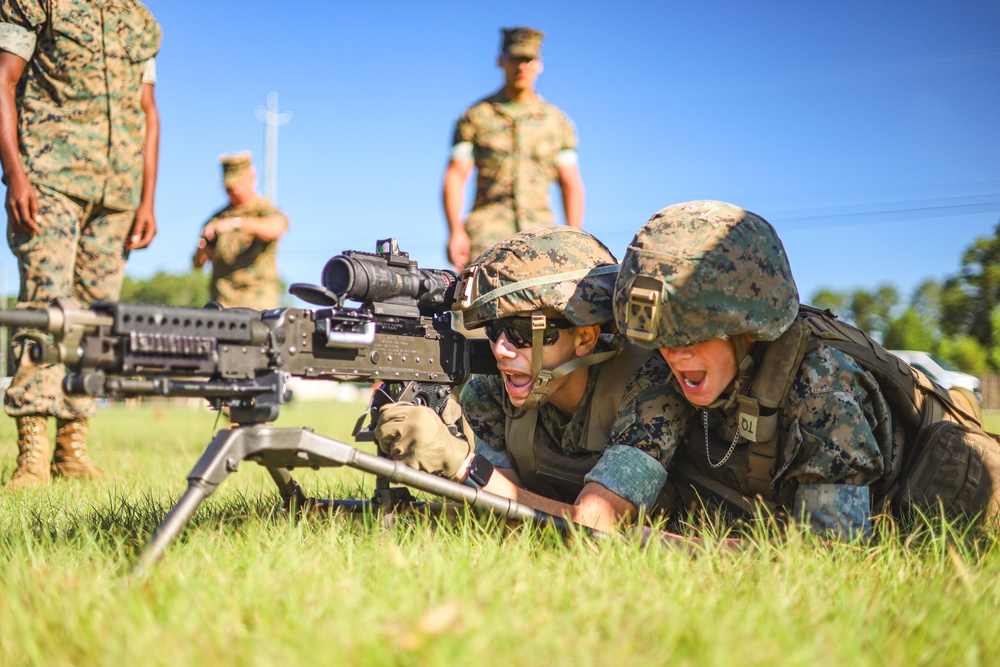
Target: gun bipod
{"x": 283, "y": 449}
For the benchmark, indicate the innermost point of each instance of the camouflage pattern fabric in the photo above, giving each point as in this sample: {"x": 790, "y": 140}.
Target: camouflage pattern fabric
{"x": 245, "y": 268}
{"x": 85, "y": 260}
{"x": 626, "y": 468}
{"x": 514, "y": 148}
{"x": 81, "y": 125}
{"x": 837, "y": 428}
{"x": 720, "y": 271}
{"x": 534, "y": 255}
{"x": 522, "y": 42}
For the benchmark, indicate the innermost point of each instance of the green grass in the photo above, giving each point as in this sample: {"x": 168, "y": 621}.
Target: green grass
{"x": 245, "y": 586}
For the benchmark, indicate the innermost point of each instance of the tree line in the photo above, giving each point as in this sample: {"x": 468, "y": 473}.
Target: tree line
{"x": 957, "y": 318}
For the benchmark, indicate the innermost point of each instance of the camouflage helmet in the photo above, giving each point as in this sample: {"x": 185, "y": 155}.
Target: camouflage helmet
{"x": 562, "y": 268}
{"x": 703, "y": 270}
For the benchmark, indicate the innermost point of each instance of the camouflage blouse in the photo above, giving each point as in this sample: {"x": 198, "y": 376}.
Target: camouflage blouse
{"x": 245, "y": 268}
{"x": 626, "y": 466}
{"x": 514, "y": 147}
{"x": 81, "y": 126}
{"x": 838, "y": 440}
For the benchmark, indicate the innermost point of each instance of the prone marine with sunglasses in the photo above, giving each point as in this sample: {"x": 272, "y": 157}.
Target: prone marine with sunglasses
{"x": 566, "y": 426}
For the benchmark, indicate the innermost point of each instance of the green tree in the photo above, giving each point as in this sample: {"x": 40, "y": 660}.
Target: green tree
{"x": 170, "y": 289}
{"x": 965, "y": 353}
{"x": 980, "y": 280}
{"x": 909, "y": 332}
{"x": 835, "y": 302}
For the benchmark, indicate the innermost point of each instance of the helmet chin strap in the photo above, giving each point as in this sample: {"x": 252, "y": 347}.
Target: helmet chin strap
{"x": 539, "y": 394}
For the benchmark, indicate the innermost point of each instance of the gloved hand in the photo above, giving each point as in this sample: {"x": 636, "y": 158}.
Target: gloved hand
{"x": 415, "y": 435}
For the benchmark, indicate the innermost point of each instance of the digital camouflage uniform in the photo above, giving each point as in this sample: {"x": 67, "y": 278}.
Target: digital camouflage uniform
{"x": 515, "y": 147}
{"x": 82, "y": 132}
{"x": 840, "y": 439}
{"x": 245, "y": 268}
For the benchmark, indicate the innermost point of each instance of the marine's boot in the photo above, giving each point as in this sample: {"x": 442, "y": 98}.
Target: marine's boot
{"x": 33, "y": 453}
{"x": 71, "y": 450}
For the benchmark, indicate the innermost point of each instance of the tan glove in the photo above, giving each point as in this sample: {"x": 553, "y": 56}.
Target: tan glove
{"x": 415, "y": 435}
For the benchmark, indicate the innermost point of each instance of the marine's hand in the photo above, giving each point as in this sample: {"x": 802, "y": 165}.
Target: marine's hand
{"x": 143, "y": 229}
{"x": 415, "y": 435}
{"x": 459, "y": 247}
{"x": 22, "y": 205}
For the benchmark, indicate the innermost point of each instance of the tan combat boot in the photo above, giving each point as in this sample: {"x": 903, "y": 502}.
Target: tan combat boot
{"x": 33, "y": 456}
{"x": 71, "y": 450}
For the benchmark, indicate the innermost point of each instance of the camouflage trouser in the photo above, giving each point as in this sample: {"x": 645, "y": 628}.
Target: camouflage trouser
{"x": 79, "y": 252}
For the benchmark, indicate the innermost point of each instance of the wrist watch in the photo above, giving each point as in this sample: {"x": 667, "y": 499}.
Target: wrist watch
{"x": 236, "y": 223}
{"x": 480, "y": 471}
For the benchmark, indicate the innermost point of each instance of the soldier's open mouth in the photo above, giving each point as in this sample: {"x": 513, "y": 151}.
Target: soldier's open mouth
{"x": 692, "y": 379}
{"x": 517, "y": 384}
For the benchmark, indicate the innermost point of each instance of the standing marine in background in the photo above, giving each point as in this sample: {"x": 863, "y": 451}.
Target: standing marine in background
{"x": 519, "y": 145}
{"x": 241, "y": 241}
{"x": 79, "y": 142}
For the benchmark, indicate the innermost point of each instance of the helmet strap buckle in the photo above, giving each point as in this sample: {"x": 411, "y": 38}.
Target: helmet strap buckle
{"x": 466, "y": 286}
{"x": 643, "y": 313}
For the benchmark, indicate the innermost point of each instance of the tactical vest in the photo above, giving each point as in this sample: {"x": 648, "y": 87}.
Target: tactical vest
{"x": 546, "y": 469}
{"x": 947, "y": 457}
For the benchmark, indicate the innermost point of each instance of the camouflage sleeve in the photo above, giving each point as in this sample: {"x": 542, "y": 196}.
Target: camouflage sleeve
{"x": 20, "y": 21}
{"x": 568, "y": 131}
{"x": 837, "y": 511}
{"x": 482, "y": 406}
{"x": 263, "y": 208}
{"x": 838, "y": 424}
{"x": 644, "y": 436}
{"x": 465, "y": 131}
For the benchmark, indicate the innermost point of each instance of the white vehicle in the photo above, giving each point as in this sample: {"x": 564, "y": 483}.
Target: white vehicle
{"x": 940, "y": 371}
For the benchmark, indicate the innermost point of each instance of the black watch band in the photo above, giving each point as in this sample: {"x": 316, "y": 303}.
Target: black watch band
{"x": 480, "y": 472}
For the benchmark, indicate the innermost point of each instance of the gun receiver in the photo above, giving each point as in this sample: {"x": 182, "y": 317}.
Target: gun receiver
{"x": 241, "y": 359}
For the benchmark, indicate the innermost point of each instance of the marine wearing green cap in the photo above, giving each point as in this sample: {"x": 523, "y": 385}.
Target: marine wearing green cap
{"x": 773, "y": 404}
{"x": 241, "y": 241}
{"x": 569, "y": 420}
{"x": 518, "y": 144}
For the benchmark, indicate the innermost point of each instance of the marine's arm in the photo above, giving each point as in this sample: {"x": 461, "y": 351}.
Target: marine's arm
{"x": 840, "y": 440}
{"x": 453, "y": 199}
{"x": 21, "y": 201}
{"x": 144, "y": 226}
{"x": 596, "y": 507}
{"x": 267, "y": 228}
{"x": 573, "y": 197}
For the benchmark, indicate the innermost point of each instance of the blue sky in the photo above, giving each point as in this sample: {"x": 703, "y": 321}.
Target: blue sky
{"x": 867, "y": 132}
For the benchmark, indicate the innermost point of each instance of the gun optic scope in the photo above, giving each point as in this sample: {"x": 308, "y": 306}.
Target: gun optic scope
{"x": 389, "y": 277}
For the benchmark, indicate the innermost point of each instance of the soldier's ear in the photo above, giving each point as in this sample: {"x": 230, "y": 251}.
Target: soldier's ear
{"x": 586, "y": 339}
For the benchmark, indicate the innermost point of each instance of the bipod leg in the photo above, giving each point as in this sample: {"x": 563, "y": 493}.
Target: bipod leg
{"x": 293, "y": 498}
{"x": 221, "y": 457}
{"x": 388, "y": 500}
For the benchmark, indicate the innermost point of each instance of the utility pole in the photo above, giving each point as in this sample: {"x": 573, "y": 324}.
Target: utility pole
{"x": 272, "y": 119}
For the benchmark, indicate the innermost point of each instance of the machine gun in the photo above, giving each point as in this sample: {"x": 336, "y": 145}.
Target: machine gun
{"x": 241, "y": 360}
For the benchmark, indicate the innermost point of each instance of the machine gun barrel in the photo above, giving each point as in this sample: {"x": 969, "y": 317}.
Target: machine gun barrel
{"x": 25, "y": 317}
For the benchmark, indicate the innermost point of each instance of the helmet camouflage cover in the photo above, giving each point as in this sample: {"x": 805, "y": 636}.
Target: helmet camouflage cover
{"x": 703, "y": 270}
{"x": 562, "y": 268}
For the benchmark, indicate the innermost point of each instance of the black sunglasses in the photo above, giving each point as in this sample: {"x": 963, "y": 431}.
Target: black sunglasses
{"x": 518, "y": 330}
